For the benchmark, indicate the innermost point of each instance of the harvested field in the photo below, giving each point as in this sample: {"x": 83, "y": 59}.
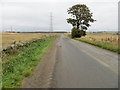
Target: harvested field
{"x": 108, "y": 41}
{"x": 105, "y": 37}
{"x": 8, "y": 39}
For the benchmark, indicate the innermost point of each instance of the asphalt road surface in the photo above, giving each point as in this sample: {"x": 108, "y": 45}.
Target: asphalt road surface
{"x": 80, "y": 65}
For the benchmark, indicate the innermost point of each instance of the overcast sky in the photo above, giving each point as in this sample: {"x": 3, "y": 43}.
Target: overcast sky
{"x": 34, "y": 15}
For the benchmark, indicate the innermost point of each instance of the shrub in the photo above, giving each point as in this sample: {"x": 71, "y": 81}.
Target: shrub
{"x": 77, "y": 33}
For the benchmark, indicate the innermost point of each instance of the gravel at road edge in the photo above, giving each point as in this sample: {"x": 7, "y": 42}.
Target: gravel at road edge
{"x": 42, "y": 76}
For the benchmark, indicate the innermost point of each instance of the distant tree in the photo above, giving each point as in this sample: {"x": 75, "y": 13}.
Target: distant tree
{"x": 81, "y": 17}
{"x": 77, "y": 33}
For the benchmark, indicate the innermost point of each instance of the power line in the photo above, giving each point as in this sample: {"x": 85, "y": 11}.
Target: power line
{"x": 51, "y": 22}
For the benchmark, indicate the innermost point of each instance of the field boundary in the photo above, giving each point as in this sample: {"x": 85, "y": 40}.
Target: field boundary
{"x": 23, "y": 60}
{"x": 43, "y": 74}
{"x": 103, "y": 45}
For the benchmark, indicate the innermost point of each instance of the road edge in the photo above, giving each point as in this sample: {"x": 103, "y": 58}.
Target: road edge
{"x": 42, "y": 76}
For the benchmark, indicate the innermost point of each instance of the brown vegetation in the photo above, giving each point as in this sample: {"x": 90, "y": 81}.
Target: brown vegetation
{"x": 103, "y": 37}
{"x": 8, "y": 39}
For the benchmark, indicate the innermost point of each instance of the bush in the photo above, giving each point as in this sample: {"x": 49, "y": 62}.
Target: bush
{"x": 77, "y": 33}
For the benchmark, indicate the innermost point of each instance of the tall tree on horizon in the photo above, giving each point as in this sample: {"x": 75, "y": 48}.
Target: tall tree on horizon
{"x": 81, "y": 17}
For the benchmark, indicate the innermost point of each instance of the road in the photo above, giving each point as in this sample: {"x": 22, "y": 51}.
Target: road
{"x": 80, "y": 65}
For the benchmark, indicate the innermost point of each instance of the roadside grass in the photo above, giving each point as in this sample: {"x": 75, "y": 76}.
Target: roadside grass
{"x": 21, "y": 64}
{"x": 104, "y": 45}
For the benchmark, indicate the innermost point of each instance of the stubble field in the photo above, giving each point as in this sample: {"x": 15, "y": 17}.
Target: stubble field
{"x": 104, "y": 40}
{"x": 7, "y": 39}
{"x": 21, "y": 53}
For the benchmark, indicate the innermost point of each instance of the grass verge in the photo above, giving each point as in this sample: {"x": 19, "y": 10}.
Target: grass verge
{"x": 19, "y": 65}
{"x": 103, "y": 45}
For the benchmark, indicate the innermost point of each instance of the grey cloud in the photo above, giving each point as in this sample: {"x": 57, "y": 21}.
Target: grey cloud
{"x": 36, "y": 16}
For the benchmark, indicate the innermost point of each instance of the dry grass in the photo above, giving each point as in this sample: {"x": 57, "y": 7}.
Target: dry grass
{"x": 67, "y": 34}
{"x": 109, "y": 41}
{"x": 102, "y": 37}
{"x": 106, "y": 38}
{"x": 8, "y": 39}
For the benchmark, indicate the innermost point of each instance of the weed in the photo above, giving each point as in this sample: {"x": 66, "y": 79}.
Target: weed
{"x": 104, "y": 45}
{"x": 21, "y": 64}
